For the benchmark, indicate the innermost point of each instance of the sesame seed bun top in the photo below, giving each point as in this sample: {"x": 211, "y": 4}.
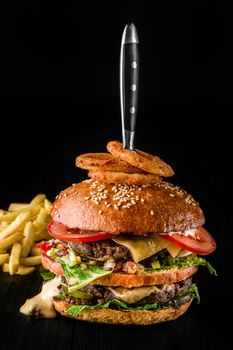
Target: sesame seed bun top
{"x": 117, "y": 208}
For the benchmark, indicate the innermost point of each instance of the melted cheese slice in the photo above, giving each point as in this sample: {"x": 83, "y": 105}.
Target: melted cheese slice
{"x": 144, "y": 247}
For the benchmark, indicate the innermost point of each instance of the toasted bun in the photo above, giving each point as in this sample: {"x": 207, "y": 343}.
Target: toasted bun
{"x": 131, "y": 280}
{"x": 97, "y": 206}
{"x": 137, "y": 317}
{"x": 146, "y": 279}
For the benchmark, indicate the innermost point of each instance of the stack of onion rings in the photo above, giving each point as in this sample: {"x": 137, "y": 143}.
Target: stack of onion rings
{"x": 124, "y": 166}
{"x": 145, "y": 161}
{"x": 105, "y": 162}
{"x": 124, "y": 178}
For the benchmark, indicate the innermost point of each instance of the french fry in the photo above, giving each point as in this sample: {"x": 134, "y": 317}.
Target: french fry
{"x": 35, "y": 251}
{"x": 42, "y": 218}
{"x": 2, "y": 213}
{"x": 20, "y": 227}
{"x": 22, "y": 270}
{"x": 4, "y": 258}
{"x": 3, "y": 225}
{"x": 8, "y": 217}
{"x": 18, "y": 206}
{"x": 29, "y": 235}
{"x": 34, "y": 209}
{"x": 14, "y": 257}
{"x": 7, "y": 242}
{"x": 42, "y": 234}
{"x": 38, "y": 199}
{"x": 30, "y": 260}
{"x": 47, "y": 205}
{"x": 15, "y": 225}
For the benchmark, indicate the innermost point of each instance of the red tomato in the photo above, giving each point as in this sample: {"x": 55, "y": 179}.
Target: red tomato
{"x": 52, "y": 265}
{"x": 203, "y": 243}
{"x": 45, "y": 246}
{"x": 60, "y": 231}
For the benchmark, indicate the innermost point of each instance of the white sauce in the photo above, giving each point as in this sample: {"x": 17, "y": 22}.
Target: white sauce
{"x": 131, "y": 296}
{"x": 187, "y": 233}
{"x": 43, "y": 302}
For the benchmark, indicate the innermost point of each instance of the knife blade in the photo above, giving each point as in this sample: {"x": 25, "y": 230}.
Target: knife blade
{"x": 129, "y": 74}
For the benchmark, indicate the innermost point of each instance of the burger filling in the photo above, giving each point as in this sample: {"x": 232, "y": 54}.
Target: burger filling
{"x": 141, "y": 298}
{"x": 84, "y": 262}
{"x": 107, "y": 256}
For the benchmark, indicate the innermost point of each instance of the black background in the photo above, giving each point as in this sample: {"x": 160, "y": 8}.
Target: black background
{"x": 59, "y": 82}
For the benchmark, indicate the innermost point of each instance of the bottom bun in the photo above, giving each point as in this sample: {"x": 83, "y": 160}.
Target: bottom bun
{"x": 137, "y": 317}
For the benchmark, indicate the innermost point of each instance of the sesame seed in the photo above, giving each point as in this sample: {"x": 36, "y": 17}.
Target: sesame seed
{"x": 88, "y": 180}
{"x": 128, "y": 205}
{"x": 151, "y": 212}
{"x": 142, "y": 200}
{"x": 100, "y": 212}
{"x": 189, "y": 199}
{"x": 123, "y": 195}
{"x": 171, "y": 195}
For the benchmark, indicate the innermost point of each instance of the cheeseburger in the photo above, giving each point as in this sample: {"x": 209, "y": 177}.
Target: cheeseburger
{"x": 124, "y": 245}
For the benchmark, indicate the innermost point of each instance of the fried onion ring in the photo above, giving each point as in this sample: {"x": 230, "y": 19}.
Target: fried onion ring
{"x": 84, "y": 161}
{"x": 105, "y": 162}
{"x": 145, "y": 161}
{"x": 124, "y": 178}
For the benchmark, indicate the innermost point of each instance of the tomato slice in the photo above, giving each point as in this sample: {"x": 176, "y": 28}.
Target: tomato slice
{"x": 60, "y": 231}
{"x": 199, "y": 241}
{"x": 45, "y": 245}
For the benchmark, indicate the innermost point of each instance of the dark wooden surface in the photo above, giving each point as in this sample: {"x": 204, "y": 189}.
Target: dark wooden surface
{"x": 60, "y": 81}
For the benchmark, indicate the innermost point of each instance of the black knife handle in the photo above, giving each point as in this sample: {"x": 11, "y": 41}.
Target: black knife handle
{"x": 129, "y": 76}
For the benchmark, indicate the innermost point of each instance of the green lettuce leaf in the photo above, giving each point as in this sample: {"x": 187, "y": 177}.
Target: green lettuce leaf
{"x": 187, "y": 261}
{"x": 46, "y": 274}
{"x": 78, "y": 275}
{"x": 81, "y": 277}
{"x": 74, "y": 310}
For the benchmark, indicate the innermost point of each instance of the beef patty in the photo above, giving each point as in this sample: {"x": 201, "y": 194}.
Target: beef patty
{"x": 102, "y": 249}
{"x": 164, "y": 293}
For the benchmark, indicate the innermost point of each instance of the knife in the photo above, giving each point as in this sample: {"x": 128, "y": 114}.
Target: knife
{"x": 129, "y": 73}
